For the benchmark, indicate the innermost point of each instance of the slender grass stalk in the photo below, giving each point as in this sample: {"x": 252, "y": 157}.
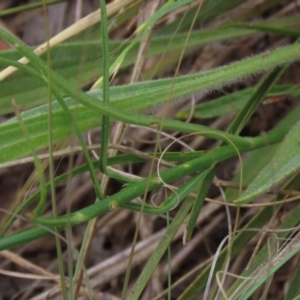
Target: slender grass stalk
{"x": 105, "y": 135}
{"x": 52, "y": 174}
{"x": 105, "y": 128}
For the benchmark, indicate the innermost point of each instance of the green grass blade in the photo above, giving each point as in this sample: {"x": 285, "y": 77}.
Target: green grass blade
{"x": 160, "y": 250}
{"x": 170, "y": 203}
{"x": 167, "y": 7}
{"x": 105, "y": 130}
{"x": 232, "y": 103}
{"x": 28, "y": 92}
{"x": 204, "y": 185}
{"x": 270, "y": 29}
{"x": 284, "y": 163}
{"x": 184, "y": 85}
{"x": 256, "y": 98}
{"x": 259, "y": 158}
{"x": 209, "y": 10}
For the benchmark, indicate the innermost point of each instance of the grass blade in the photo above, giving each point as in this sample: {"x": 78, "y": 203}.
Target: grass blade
{"x": 284, "y": 163}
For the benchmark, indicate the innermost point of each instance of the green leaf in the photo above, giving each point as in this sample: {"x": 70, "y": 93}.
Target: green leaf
{"x": 153, "y": 93}
{"x": 233, "y": 102}
{"x": 80, "y": 62}
{"x": 284, "y": 163}
{"x": 259, "y": 158}
{"x": 204, "y": 185}
{"x": 160, "y": 250}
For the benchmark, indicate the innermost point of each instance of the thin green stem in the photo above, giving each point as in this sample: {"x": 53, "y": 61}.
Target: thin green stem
{"x": 105, "y": 132}
{"x": 52, "y": 171}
